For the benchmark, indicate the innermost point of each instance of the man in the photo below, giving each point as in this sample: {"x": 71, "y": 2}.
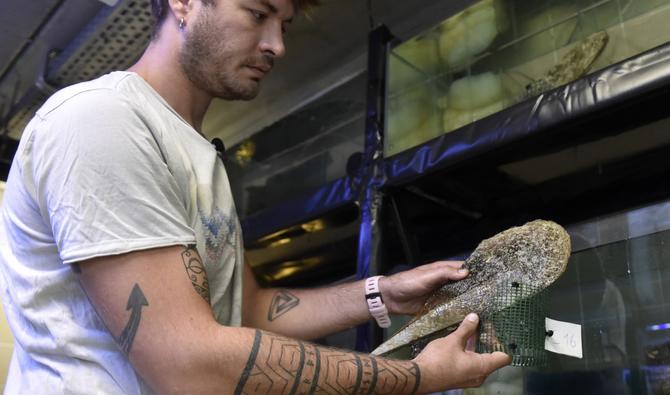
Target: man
{"x": 121, "y": 251}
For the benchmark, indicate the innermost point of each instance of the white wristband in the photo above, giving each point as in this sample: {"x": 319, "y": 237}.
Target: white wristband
{"x": 375, "y": 302}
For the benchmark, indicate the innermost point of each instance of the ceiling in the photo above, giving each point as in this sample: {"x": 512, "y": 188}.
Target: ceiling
{"x": 31, "y": 32}
{"x": 322, "y": 52}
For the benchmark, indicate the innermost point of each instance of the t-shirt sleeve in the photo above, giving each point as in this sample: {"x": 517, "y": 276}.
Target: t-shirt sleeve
{"x": 102, "y": 182}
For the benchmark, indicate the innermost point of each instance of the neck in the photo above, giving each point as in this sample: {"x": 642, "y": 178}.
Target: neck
{"x": 159, "y": 66}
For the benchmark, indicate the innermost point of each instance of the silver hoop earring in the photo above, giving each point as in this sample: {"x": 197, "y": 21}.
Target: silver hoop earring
{"x": 181, "y": 24}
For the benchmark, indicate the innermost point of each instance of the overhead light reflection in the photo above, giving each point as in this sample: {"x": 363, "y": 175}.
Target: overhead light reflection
{"x": 290, "y": 268}
{"x": 313, "y": 226}
{"x": 245, "y": 153}
{"x": 280, "y": 242}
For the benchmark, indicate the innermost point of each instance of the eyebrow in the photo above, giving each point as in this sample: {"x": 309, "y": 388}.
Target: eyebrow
{"x": 273, "y": 9}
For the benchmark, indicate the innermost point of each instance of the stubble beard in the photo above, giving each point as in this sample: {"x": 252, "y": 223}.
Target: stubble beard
{"x": 206, "y": 59}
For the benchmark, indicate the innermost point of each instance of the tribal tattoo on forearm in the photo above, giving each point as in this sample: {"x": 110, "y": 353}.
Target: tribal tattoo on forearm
{"x": 286, "y": 366}
{"x": 196, "y": 271}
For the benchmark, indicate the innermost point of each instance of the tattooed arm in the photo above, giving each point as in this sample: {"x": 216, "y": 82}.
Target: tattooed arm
{"x": 313, "y": 313}
{"x": 279, "y": 365}
{"x": 303, "y": 313}
{"x": 150, "y": 306}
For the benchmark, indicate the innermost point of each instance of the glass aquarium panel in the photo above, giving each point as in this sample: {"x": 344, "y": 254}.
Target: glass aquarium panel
{"x": 499, "y": 52}
{"x": 301, "y": 152}
{"x": 617, "y": 287}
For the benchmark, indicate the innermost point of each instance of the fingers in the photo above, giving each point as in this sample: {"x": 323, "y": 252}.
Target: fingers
{"x": 444, "y": 264}
{"x": 448, "y": 363}
{"x": 438, "y": 273}
{"x": 456, "y": 274}
{"x": 467, "y": 329}
{"x": 466, "y": 337}
{"x": 488, "y": 363}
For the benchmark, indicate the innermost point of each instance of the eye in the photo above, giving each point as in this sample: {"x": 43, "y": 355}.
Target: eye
{"x": 259, "y": 16}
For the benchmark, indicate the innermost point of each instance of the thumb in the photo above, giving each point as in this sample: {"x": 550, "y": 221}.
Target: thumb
{"x": 497, "y": 360}
{"x": 467, "y": 329}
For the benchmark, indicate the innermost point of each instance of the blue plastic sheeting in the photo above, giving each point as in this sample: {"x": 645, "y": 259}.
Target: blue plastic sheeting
{"x": 634, "y": 78}
{"x": 331, "y": 196}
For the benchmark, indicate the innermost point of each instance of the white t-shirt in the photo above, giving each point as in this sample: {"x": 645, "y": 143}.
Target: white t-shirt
{"x": 105, "y": 167}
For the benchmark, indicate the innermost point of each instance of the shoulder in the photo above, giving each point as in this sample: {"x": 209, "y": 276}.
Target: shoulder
{"x": 98, "y": 117}
{"x": 101, "y": 97}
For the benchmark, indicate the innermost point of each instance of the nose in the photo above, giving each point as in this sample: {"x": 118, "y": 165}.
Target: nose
{"x": 272, "y": 43}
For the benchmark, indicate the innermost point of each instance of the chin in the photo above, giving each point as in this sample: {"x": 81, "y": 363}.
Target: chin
{"x": 244, "y": 93}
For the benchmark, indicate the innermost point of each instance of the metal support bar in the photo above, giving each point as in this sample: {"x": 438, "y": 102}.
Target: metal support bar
{"x": 370, "y": 176}
{"x": 456, "y": 208}
{"x": 30, "y": 40}
{"x": 408, "y": 245}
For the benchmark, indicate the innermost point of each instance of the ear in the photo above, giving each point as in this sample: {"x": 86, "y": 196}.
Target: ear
{"x": 180, "y": 9}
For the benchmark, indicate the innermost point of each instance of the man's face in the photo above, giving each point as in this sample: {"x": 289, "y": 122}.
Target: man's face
{"x": 231, "y": 45}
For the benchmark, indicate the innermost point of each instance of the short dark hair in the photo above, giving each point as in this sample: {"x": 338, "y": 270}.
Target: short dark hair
{"x": 159, "y": 9}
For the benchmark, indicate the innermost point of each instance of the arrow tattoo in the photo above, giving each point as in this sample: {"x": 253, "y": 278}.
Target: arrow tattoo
{"x": 135, "y": 302}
